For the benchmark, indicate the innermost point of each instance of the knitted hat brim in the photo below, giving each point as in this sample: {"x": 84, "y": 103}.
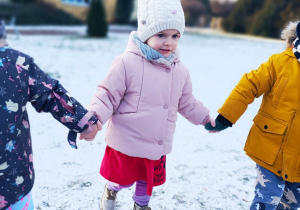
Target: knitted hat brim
{"x": 160, "y": 27}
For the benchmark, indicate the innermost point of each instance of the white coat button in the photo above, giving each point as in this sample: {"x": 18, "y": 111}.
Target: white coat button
{"x": 160, "y": 142}
{"x": 165, "y": 106}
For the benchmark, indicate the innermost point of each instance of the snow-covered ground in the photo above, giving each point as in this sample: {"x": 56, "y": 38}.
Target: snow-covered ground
{"x": 204, "y": 171}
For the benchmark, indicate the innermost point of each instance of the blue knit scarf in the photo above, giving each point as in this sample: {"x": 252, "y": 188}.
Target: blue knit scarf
{"x": 149, "y": 53}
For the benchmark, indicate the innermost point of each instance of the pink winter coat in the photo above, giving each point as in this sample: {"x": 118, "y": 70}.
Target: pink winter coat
{"x": 141, "y": 98}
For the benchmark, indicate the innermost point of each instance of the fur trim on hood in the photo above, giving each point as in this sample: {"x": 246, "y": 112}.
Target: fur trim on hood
{"x": 289, "y": 33}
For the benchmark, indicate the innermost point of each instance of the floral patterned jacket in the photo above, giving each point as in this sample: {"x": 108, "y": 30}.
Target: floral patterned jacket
{"x": 22, "y": 81}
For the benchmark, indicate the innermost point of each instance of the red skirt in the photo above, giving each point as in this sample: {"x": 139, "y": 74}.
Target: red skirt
{"x": 125, "y": 170}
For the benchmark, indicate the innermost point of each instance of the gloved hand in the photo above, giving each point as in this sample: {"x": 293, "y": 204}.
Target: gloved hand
{"x": 221, "y": 124}
{"x": 90, "y": 133}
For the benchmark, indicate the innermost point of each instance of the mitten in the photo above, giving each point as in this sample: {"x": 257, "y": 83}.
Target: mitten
{"x": 221, "y": 124}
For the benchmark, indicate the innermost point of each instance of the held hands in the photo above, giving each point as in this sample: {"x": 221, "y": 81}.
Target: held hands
{"x": 217, "y": 128}
{"x": 210, "y": 121}
{"x": 90, "y": 133}
{"x": 221, "y": 123}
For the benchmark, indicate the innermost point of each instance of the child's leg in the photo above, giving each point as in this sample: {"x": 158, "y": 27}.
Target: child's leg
{"x": 140, "y": 196}
{"x": 268, "y": 190}
{"x": 117, "y": 187}
{"x": 26, "y": 203}
{"x": 108, "y": 199}
{"x": 291, "y": 196}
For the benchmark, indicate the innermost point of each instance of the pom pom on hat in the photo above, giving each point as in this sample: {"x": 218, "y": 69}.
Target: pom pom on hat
{"x": 158, "y": 15}
{"x": 2, "y": 29}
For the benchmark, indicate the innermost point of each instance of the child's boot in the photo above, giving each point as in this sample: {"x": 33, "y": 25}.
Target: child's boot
{"x": 137, "y": 207}
{"x": 108, "y": 199}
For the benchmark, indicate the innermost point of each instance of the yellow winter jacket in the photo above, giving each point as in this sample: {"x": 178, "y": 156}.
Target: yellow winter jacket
{"x": 274, "y": 138}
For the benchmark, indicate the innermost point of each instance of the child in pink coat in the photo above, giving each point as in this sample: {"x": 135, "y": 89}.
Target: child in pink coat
{"x": 140, "y": 97}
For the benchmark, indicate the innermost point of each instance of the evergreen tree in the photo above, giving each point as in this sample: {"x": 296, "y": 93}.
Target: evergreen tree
{"x": 96, "y": 21}
{"x": 123, "y": 12}
{"x": 290, "y": 13}
{"x": 193, "y": 9}
{"x": 262, "y": 17}
{"x": 24, "y": 1}
{"x": 267, "y": 22}
{"x": 242, "y": 14}
{"x": 253, "y": 6}
{"x": 235, "y": 22}
{"x": 207, "y": 5}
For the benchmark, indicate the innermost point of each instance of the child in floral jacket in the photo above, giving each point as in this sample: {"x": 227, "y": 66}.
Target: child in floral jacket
{"x": 23, "y": 81}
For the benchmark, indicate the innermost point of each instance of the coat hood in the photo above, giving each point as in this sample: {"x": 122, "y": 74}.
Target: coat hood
{"x": 289, "y": 52}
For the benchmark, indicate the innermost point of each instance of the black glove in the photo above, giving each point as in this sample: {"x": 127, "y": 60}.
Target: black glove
{"x": 221, "y": 124}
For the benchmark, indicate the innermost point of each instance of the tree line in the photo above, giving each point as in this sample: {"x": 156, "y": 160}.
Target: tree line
{"x": 256, "y": 17}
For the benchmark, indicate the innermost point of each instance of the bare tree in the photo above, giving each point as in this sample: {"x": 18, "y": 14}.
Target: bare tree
{"x": 221, "y": 9}
{"x": 193, "y": 9}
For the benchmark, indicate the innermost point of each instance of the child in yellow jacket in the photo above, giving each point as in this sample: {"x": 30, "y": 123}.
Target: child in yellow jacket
{"x": 274, "y": 139}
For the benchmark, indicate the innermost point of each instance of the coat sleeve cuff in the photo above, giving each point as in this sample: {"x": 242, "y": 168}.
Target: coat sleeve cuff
{"x": 224, "y": 121}
{"x": 88, "y": 121}
{"x": 86, "y": 118}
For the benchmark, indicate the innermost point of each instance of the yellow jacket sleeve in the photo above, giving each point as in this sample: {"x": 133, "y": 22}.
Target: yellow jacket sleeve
{"x": 252, "y": 85}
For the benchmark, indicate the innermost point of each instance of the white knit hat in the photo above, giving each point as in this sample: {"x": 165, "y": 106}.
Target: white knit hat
{"x": 157, "y": 15}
